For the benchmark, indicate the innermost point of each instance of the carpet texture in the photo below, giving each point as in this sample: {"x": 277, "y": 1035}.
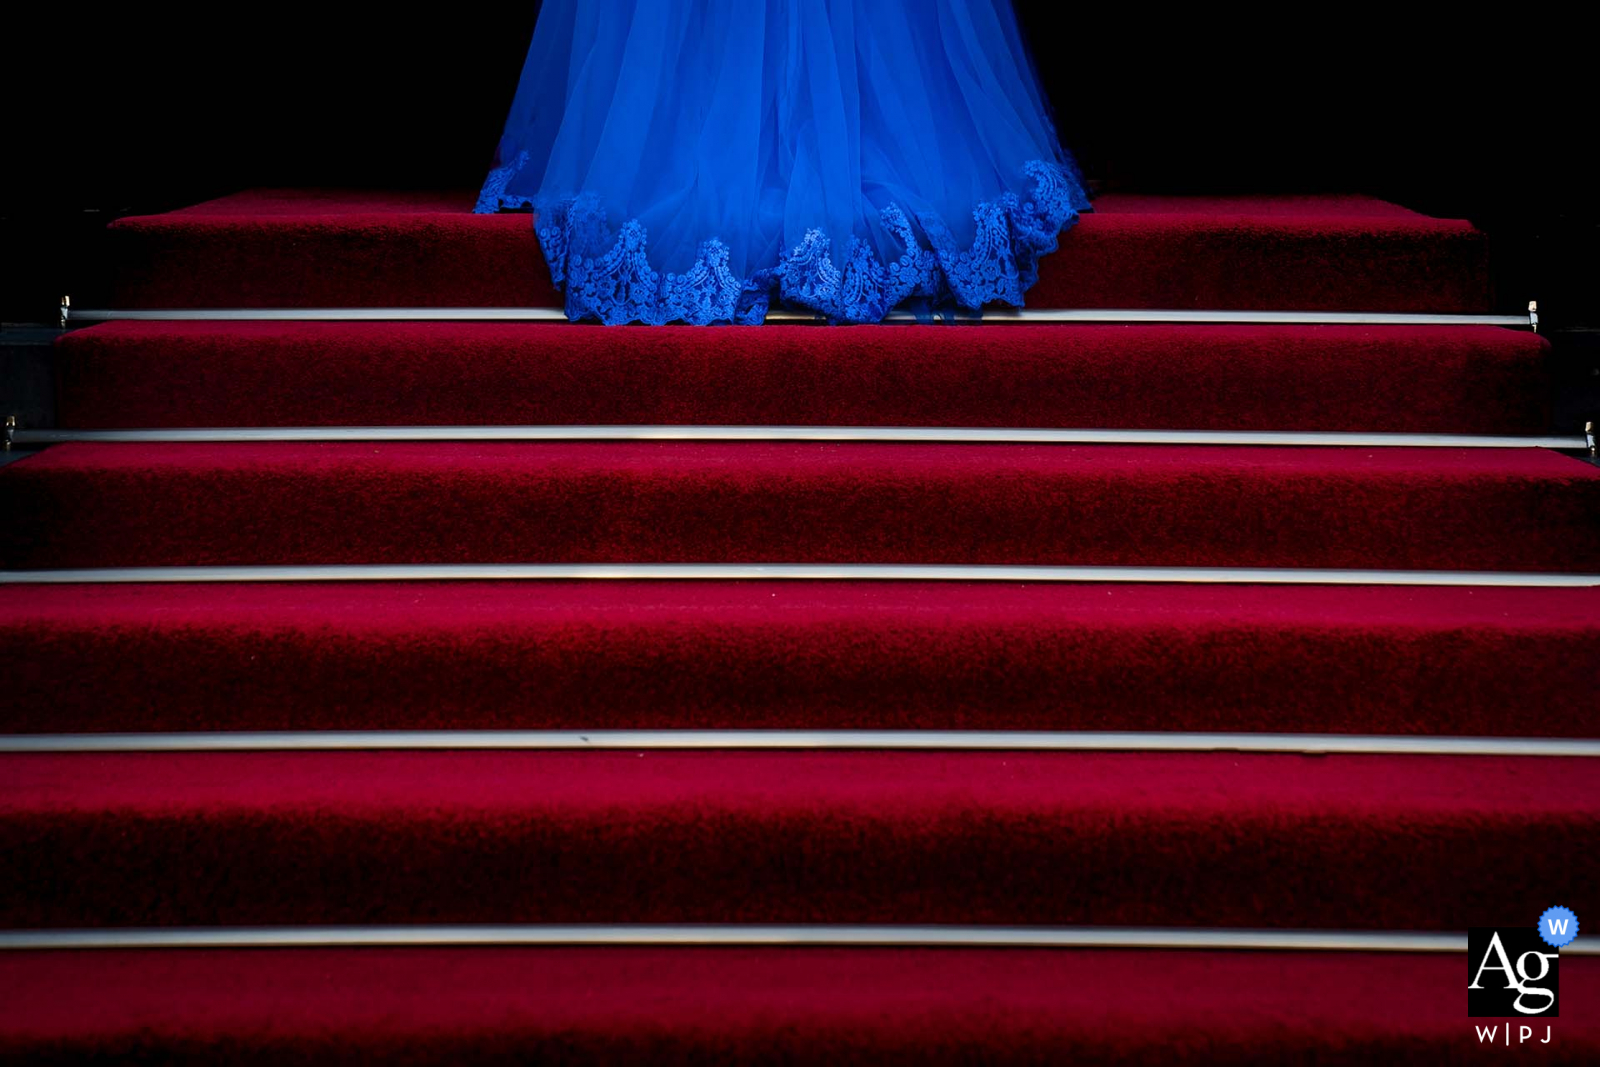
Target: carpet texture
{"x": 1137, "y": 838}
{"x": 1002, "y": 838}
{"x": 271, "y": 248}
{"x": 1439, "y": 379}
{"x": 822, "y": 1006}
{"x": 798, "y": 655}
{"x": 79, "y": 505}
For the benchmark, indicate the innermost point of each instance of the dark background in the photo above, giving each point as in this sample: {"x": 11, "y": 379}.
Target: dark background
{"x": 144, "y": 109}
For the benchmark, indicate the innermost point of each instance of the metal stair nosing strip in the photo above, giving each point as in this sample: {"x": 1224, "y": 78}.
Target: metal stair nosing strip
{"x": 895, "y": 572}
{"x": 766, "y": 936}
{"x": 843, "y": 434}
{"x": 1530, "y": 320}
{"x": 796, "y": 740}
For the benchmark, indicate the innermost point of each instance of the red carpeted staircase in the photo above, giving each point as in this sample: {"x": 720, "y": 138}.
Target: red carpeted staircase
{"x": 290, "y": 813}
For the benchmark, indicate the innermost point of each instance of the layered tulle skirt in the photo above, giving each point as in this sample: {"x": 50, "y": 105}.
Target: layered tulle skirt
{"x": 699, "y": 161}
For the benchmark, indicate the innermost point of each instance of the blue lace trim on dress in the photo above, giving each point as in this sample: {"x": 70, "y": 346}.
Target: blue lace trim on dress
{"x": 608, "y": 276}
{"x": 492, "y": 197}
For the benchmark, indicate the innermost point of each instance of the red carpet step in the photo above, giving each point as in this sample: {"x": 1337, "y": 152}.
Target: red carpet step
{"x": 85, "y": 505}
{"x": 822, "y": 1006}
{"x": 328, "y": 248}
{"x": 1441, "y": 379}
{"x": 1002, "y": 838}
{"x": 798, "y": 655}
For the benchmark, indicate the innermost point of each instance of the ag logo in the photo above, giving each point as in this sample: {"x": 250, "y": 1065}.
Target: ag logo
{"x": 1510, "y": 972}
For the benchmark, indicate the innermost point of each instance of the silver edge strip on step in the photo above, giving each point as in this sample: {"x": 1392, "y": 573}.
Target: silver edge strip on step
{"x": 1021, "y": 315}
{"x": 890, "y": 434}
{"x": 804, "y": 740}
{"x": 715, "y": 935}
{"x": 877, "y": 572}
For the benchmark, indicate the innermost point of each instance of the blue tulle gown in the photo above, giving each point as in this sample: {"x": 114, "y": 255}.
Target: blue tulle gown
{"x": 700, "y": 161}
